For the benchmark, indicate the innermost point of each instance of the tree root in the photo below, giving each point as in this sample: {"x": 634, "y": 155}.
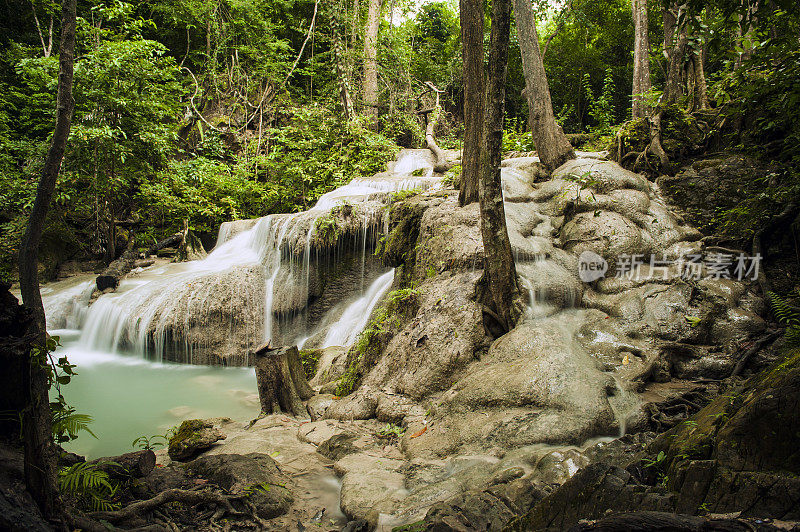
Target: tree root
{"x": 187, "y": 497}
{"x": 759, "y": 344}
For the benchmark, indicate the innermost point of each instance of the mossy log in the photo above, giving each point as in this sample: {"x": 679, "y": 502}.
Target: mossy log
{"x": 282, "y": 384}
{"x": 112, "y": 275}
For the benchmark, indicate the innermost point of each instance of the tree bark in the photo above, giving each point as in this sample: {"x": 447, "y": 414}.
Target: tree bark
{"x": 40, "y": 451}
{"x": 552, "y": 145}
{"x": 673, "y": 88}
{"x": 282, "y": 384}
{"x": 700, "y": 86}
{"x": 499, "y": 272}
{"x": 371, "y": 58}
{"x": 440, "y": 162}
{"x": 641, "y": 59}
{"x": 471, "y": 15}
{"x": 338, "y": 59}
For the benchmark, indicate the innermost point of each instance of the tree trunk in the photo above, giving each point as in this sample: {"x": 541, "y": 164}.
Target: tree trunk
{"x": 440, "y": 158}
{"x": 700, "y": 86}
{"x": 371, "y": 58}
{"x": 673, "y": 88}
{"x": 641, "y": 59}
{"x": 471, "y": 15}
{"x": 500, "y": 275}
{"x": 338, "y": 59}
{"x": 40, "y": 451}
{"x": 552, "y": 145}
{"x": 282, "y": 384}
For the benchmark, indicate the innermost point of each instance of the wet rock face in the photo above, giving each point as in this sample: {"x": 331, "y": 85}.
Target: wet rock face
{"x": 565, "y": 374}
{"x": 738, "y": 454}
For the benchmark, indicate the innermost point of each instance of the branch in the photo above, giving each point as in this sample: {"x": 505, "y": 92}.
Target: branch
{"x": 291, "y": 70}
{"x": 756, "y": 347}
{"x": 191, "y": 100}
{"x": 558, "y": 28}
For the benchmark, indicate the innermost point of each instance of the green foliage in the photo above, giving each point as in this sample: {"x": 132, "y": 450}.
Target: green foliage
{"x": 601, "y": 108}
{"x": 515, "y": 138}
{"x": 150, "y": 443}
{"x": 90, "y": 486}
{"x": 391, "y": 432}
{"x": 309, "y": 358}
{"x": 326, "y": 229}
{"x": 788, "y": 315}
{"x": 452, "y": 178}
{"x": 67, "y": 423}
{"x": 584, "y": 181}
{"x": 404, "y": 195}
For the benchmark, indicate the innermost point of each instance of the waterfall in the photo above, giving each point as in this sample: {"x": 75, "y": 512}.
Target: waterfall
{"x": 266, "y": 280}
{"x": 345, "y": 331}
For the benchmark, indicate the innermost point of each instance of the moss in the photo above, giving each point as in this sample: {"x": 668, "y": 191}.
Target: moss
{"x": 309, "y": 358}
{"x": 404, "y": 195}
{"x": 398, "y": 307}
{"x": 419, "y": 526}
{"x": 327, "y": 230}
{"x": 187, "y": 432}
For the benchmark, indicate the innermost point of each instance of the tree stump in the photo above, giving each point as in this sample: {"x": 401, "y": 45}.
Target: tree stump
{"x": 282, "y": 384}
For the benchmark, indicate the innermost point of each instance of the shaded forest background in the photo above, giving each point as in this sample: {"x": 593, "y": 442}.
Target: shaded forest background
{"x": 213, "y": 110}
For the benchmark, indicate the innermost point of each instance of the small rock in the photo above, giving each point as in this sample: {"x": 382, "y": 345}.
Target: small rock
{"x": 507, "y": 475}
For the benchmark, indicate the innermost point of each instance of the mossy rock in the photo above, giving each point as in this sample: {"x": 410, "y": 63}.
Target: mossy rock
{"x": 309, "y": 358}
{"x": 192, "y": 437}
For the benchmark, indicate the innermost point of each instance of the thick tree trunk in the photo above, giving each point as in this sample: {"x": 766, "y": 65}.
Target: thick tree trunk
{"x": 371, "y": 58}
{"x": 700, "y": 86}
{"x": 552, "y": 145}
{"x": 641, "y": 59}
{"x": 500, "y": 275}
{"x": 282, "y": 384}
{"x": 40, "y": 451}
{"x": 471, "y": 14}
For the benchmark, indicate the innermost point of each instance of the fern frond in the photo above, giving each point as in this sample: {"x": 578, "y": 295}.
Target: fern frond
{"x": 783, "y": 311}
{"x": 72, "y": 423}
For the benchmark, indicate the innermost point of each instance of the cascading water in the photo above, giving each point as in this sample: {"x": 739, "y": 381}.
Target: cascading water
{"x": 265, "y": 281}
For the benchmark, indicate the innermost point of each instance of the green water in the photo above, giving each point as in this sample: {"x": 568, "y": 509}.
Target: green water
{"x": 128, "y": 396}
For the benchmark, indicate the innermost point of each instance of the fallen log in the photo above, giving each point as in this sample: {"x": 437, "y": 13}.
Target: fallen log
{"x": 112, "y": 275}
{"x": 137, "y": 464}
{"x": 282, "y": 384}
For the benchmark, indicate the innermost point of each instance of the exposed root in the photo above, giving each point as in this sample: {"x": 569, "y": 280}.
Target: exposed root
{"x": 187, "y": 497}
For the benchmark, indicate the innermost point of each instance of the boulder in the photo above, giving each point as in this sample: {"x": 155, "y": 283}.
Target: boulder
{"x": 255, "y": 474}
{"x": 192, "y": 437}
